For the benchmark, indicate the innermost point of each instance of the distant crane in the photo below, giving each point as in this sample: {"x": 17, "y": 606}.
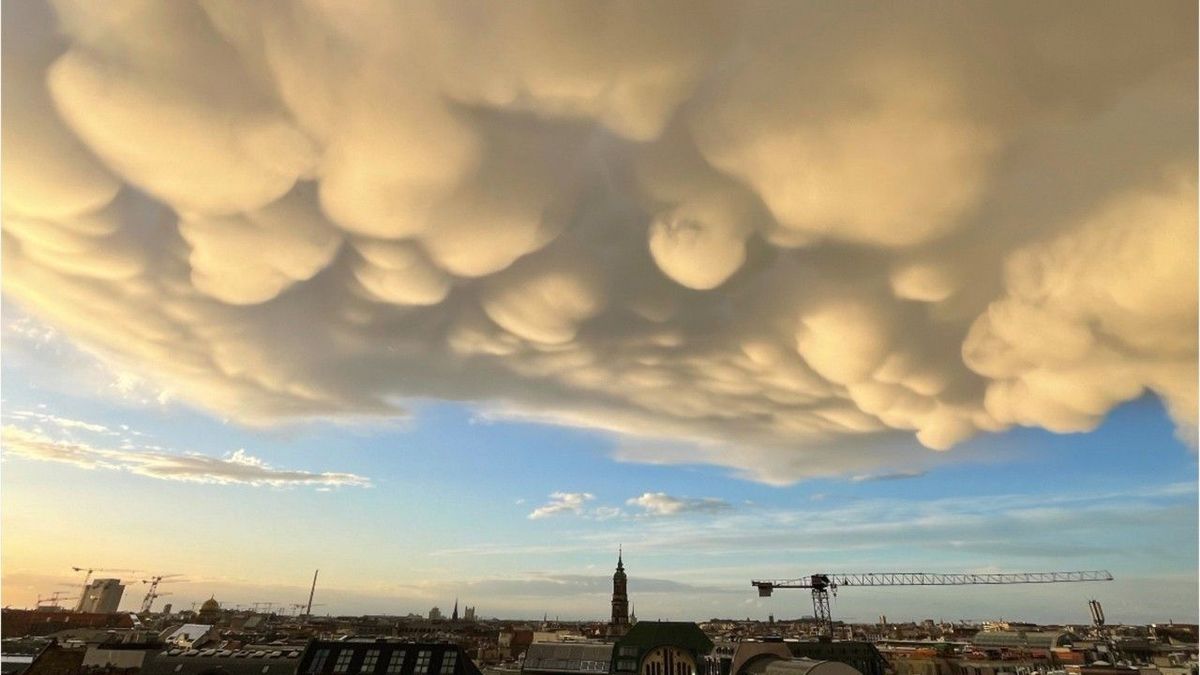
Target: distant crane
{"x": 153, "y": 593}
{"x": 53, "y": 599}
{"x": 297, "y": 606}
{"x": 312, "y": 592}
{"x": 823, "y": 585}
{"x": 1097, "y": 613}
{"x": 88, "y": 577}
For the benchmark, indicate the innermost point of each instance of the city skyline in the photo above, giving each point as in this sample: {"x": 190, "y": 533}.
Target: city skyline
{"x": 454, "y": 300}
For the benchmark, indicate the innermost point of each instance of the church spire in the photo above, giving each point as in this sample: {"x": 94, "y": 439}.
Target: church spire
{"x": 620, "y": 596}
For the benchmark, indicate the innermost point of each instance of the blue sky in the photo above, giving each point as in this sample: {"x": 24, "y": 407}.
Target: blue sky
{"x": 451, "y": 492}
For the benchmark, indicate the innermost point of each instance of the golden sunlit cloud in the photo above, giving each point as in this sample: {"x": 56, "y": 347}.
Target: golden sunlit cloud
{"x": 780, "y": 237}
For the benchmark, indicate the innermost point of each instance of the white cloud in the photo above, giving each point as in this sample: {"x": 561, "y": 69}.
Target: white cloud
{"x": 562, "y": 503}
{"x": 62, "y": 423}
{"x": 890, "y": 475}
{"x": 688, "y": 228}
{"x": 239, "y": 467}
{"x": 663, "y": 504}
{"x": 933, "y": 532}
{"x": 606, "y": 512}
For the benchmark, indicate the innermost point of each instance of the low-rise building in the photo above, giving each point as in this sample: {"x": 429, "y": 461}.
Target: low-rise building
{"x": 21, "y": 622}
{"x": 567, "y": 658}
{"x": 223, "y": 662}
{"x": 189, "y": 635}
{"x": 118, "y": 656}
{"x": 384, "y": 657}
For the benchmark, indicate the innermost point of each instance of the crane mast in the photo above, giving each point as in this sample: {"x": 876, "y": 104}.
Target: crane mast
{"x": 823, "y": 585}
{"x": 152, "y": 594}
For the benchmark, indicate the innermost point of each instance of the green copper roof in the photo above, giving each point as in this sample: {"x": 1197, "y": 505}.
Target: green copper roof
{"x": 651, "y": 634}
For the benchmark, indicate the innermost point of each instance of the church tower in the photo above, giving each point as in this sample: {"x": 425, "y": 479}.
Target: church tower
{"x": 620, "y": 597}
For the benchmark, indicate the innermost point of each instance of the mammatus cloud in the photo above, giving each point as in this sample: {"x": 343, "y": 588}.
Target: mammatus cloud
{"x": 663, "y": 504}
{"x": 236, "y": 468}
{"x": 562, "y": 503}
{"x": 777, "y": 237}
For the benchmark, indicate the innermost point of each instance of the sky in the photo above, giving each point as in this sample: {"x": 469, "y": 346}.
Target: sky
{"x": 452, "y": 300}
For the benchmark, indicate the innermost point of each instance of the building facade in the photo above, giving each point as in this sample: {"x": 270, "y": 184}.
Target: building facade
{"x": 102, "y": 596}
{"x": 661, "y": 648}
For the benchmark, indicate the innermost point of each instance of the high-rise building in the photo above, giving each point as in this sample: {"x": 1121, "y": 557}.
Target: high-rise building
{"x": 620, "y": 596}
{"x": 102, "y": 596}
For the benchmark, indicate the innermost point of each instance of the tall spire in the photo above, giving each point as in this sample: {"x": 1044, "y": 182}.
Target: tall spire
{"x": 454, "y": 617}
{"x": 620, "y": 596}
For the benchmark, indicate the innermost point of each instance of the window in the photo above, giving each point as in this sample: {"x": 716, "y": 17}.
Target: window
{"x": 668, "y": 661}
{"x": 396, "y": 663}
{"x": 369, "y": 661}
{"x": 422, "y": 665}
{"x": 342, "y": 665}
{"x": 629, "y": 651}
{"x": 449, "y": 659}
{"x": 318, "y": 661}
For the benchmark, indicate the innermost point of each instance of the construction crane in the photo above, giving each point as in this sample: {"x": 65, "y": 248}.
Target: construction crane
{"x": 88, "y": 577}
{"x": 53, "y": 599}
{"x": 297, "y": 606}
{"x": 823, "y": 585}
{"x": 153, "y": 593}
{"x": 312, "y": 592}
{"x": 1097, "y": 613}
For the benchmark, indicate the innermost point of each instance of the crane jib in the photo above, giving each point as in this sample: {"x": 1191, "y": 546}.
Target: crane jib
{"x": 823, "y": 585}
{"x": 933, "y": 579}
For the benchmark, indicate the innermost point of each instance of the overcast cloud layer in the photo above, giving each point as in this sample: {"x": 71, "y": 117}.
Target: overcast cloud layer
{"x": 807, "y": 228}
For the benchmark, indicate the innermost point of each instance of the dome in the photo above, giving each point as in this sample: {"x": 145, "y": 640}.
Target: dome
{"x": 210, "y": 605}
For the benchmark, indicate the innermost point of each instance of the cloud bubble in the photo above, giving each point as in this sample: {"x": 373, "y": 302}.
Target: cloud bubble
{"x": 788, "y": 239}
